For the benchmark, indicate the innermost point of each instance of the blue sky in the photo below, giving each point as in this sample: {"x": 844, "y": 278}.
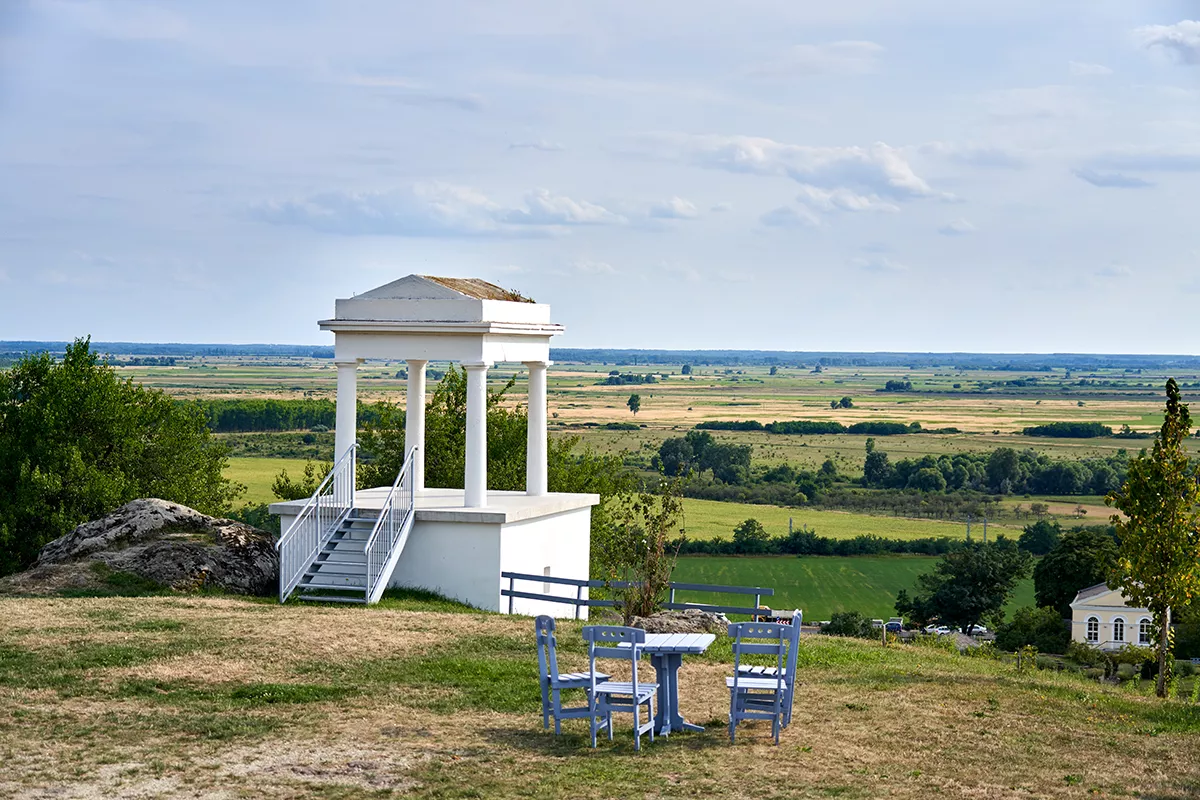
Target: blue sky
{"x": 862, "y": 175}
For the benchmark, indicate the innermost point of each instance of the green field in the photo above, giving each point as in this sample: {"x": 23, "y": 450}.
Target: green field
{"x": 257, "y": 474}
{"x": 818, "y": 585}
{"x": 705, "y": 519}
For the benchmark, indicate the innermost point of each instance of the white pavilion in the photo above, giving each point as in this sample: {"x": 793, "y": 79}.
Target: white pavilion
{"x": 460, "y": 539}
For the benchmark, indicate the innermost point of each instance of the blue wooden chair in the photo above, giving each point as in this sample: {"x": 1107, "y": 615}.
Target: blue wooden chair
{"x": 759, "y": 697}
{"x": 756, "y": 671}
{"x": 607, "y": 696}
{"x": 554, "y": 682}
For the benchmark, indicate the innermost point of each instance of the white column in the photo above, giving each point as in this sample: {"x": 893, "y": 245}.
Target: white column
{"x": 535, "y": 451}
{"x": 346, "y": 423}
{"x": 414, "y": 421}
{"x": 475, "y": 477}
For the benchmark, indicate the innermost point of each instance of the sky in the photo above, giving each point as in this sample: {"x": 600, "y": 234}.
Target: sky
{"x": 866, "y": 175}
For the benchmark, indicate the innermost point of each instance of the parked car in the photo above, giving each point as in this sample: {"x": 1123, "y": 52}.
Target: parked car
{"x": 894, "y": 627}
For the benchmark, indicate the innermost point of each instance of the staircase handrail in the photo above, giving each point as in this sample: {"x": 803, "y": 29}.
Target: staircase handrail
{"x": 401, "y": 498}
{"x": 329, "y": 505}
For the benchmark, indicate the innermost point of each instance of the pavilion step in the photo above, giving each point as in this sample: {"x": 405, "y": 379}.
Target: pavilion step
{"x": 360, "y": 562}
{"x": 328, "y": 598}
{"x": 326, "y": 584}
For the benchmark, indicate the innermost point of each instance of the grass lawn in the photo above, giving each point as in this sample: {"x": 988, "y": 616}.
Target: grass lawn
{"x": 818, "y": 585}
{"x": 705, "y": 519}
{"x": 257, "y": 474}
{"x": 207, "y": 696}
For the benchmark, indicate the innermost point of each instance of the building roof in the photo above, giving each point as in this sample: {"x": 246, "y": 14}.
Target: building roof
{"x": 433, "y": 287}
{"x": 1091, "y": 591}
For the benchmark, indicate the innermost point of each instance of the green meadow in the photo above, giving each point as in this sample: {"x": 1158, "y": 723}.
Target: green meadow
{"x": 818, "y": 585}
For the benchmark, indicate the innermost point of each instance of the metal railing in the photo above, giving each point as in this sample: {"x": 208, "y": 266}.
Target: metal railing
{"x": 316, "y": 522}
{"x": 391, "y": 529}
{"x": 579, "y": 601}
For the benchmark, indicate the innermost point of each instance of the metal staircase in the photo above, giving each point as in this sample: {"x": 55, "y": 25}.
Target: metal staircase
{"x": 332, "y": 546}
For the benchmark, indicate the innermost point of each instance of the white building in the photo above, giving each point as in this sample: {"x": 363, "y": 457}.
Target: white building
{"x": 453, "y": 541}
{"x": 1100, "y": 617}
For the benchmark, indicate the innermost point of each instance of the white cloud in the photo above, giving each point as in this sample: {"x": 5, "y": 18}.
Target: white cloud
{"x": 675, "y": 208}
{"x": 879, "y": 264}
{"x": 409, "y": 92}
{"x": 789, "y": 217}
{"x": 1111, "y": 180}
{"x": 1082, "y": 69}
{"x": 433, "y": 209}
{"x": 1149, "y": 160}
{"x": 544, "y": 208}
{"x": 540, "y": 144}
{"x": 682, "y": 270}
{"x": 1181, "y": 40}
{"x": 879, "y": 169}
{"x": 959, "y": 227}
{"x": 838, "y": 58}
{"x": 842, "y": 200}
{"x": 1114, "y": 271}
{"x": 722, "y": 207}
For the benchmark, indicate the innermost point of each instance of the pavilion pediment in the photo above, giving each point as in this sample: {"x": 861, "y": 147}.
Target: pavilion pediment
{"x": 431, "y": 299}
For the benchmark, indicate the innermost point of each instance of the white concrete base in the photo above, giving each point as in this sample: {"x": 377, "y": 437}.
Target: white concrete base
{"x": 460, "y": 552}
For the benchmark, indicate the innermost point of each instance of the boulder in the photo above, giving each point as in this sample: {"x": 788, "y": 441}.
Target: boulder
{"x": 691, "y": 620}
{"x": 161, "y": 543}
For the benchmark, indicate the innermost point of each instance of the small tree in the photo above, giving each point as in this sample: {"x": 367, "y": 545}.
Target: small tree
{"x": 1040, "y": 537}
{"x": 636, "y": 550}
{"x": 845, "y": 402}
{"x": 750, "y": 537}
{"x": 1158, "y": 562}
{"x": 634, "y": 402}
{"x": 686, "y": 369}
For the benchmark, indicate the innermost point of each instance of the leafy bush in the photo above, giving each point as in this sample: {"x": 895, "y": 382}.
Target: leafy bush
{"x": 1042, "y": 628}
{"x": 849, "y": 623}
{"x": 1069, "y": 430}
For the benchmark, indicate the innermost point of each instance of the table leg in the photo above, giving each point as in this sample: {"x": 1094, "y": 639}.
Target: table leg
{"x": 662, "y": 676}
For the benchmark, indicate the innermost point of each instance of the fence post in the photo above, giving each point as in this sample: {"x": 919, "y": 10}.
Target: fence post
{"x": 672, "y": 600}
{"x": 578, "y": 599}
{"x": 511, "y": 582}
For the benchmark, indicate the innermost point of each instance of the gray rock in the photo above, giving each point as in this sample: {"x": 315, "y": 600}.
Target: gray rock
{"x": 691, "y": 620}
{"x": 169, "y": 544}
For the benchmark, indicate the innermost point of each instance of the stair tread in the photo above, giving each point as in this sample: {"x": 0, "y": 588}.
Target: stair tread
{"x": 320, "y": 598}
{"x": 338, "y": 586}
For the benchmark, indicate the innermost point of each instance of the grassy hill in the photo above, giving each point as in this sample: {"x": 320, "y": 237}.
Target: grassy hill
{"x": 207, "y": 696}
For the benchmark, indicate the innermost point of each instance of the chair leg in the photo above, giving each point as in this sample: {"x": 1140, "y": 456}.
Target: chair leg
{"x": 637, "y": 728}
{"x": 732, "y": 717}
{"x": 545, "y": 706}
{"x": 557, "y": 695}
{"x": 608, "y": 723}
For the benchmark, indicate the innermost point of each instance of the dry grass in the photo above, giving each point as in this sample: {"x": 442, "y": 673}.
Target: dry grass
{"x": 156, "y": 718}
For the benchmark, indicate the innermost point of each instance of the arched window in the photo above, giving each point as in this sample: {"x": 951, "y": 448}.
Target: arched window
{"x": 1093, "y": 629}
{"x": 1145, "y": 631}
{"x": 1118, "y": 630}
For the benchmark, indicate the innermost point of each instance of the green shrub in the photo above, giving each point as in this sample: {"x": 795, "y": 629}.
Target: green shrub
{"x": 1041, "y": 627}
{"x": 849, "y": 623}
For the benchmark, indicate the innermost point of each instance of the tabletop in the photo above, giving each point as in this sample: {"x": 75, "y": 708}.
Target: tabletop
{"x": 677, "y": 642}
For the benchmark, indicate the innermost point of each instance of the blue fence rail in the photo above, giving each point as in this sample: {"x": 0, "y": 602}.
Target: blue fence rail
{"x": 579, "y": 601}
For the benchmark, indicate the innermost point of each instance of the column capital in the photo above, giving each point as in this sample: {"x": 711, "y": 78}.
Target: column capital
{"x": 542, "y": 364}
{"x": 477, "y": 365}
{"x": 417, "y": 361}
{"x": 347, "y": 362}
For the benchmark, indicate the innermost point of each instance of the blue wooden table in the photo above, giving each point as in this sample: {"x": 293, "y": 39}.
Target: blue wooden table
{"x": 666, "y": 651}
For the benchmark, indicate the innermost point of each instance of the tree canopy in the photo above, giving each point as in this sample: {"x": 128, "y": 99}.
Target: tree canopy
{"x": 968, "y": 586}
{"x": 1083, "y": 557}
{"x": 1158, "y": 562}
{"x": 77, "y": 442}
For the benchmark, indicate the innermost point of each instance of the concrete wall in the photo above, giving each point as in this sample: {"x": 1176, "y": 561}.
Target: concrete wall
{"x": 1106, "y": 616}
{"x": 463, "y": 560}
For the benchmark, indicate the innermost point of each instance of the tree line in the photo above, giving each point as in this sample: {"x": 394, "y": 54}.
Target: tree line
{"x": 804, "y": 427}
{"x": 750, "y": 538}
{"x": 256, "y": 415}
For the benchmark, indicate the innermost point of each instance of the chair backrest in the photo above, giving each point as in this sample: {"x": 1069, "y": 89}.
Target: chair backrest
{"x": 762, "y": 638}
{"x": 613, "y": 641}
{"x": 794, "y": 647}
{"x": 547, "y": 649}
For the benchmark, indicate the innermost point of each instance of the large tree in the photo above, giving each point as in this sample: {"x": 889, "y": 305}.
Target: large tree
{"x": 967, "y": 587}
{"x": 1083, "y": 557}
{"x": 77, "y": 442}
{"x": 1158, "y": 563}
